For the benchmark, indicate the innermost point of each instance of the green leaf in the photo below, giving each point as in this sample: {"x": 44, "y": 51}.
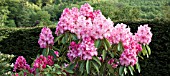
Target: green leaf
{"x": 104, "y": 54}
{"x": 54, "y": 48}
{"x": 96, "y": 66}
{"x": 97, "y": 43}
{"x": 149, "y": 50}
{"x": 105, "y": 46}
{"x": 69, "y": 70}
{"x": 56, "y": 65}
{"x": 119, "y": 47}
{"x": 107, "y": 43}
{"x": 49, "y": 67}
{"x": 74, "y": 37}
{"x": 49, "y": 74}
{"x": 88, "y": 66}
{"x": 63, "y": 40}
{"x": 125, "y": 70}
{"x": 111, "y": 54}
{"x": 81, "y": 67}
{"x": 138, "y": 67}
{"x": 44, "y": 52}
{"x": 58, "y": 72}
{"x": 71, "y": 66}
{"x": 131, "y": 70}
{"x": 121, "y": 69}
{"x": 53, "y": 54}
{"x": 58, "y": 37}
{"x": 144, "y": 51}
{"x": 97, "y": 60}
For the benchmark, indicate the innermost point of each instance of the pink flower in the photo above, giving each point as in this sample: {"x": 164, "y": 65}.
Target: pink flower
{"x": 40, "y": 62}
{"x": 84, "y": 23}
{"x": 144, "y": 34}
{"x": 85, "y": 50}
{"x": 46, "y": 38}
{"x": 21, "y": 64}
{"x": 86, "y": 10}
{"x": 56, "y": 53}
{"x": 113, "y": 63}
{"x": 50, "y": 60}
{"x": 120, "y": 34}
{"x": 128, "y": 57}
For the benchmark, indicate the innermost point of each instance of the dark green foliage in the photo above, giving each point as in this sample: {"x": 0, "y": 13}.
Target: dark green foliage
{"x": 23, "y": 41}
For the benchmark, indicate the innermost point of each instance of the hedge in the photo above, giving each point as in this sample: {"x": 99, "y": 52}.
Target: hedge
{"x": 24, "y": 42}
{"x": 21, "y": 41}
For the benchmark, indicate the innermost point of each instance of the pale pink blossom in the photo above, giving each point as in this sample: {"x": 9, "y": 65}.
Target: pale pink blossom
{"x": 84, "y": 50}
{"x": 144, "y": 34}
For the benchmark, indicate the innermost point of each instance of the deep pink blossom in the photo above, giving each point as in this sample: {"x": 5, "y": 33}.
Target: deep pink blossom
{"x": 21, "y": 64}
{"x": 46, "y": 38}
{"x": 113, "y": 63}
{"x": 56, "y": 53}
{"x": 40, "y": 62}
{"x": 50, "y": 60}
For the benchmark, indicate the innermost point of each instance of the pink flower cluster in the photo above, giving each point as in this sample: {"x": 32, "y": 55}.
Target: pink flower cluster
{"x": 84, "y": 23}
{"x": 144, "y": 34}
{"x": 131, "y": 50}
{"x": 42, "y": 61}
{"x": 90, "y": 25}
{"x": 113, "y": 63}
{"x": 85, "y": 50}
{"x": 46, "y": 38}
{"x": 21, "y": 64}
{"x": 120, "y": 34}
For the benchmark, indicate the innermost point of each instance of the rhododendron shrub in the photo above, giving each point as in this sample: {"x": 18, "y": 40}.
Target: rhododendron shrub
{"x": 89, "y": 44}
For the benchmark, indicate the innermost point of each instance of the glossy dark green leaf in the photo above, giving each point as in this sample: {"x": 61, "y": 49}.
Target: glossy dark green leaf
{"x": 125, "y": 70}
{"x": 58, "y": 72}
{"x": 69, "y": 70}
{"x": 97, "y": 60}
{"x": 148, "y": 49}
{"x": 144, "y": 51}
{"x": 58, "y": 37}
{"x": 56, "y": 65}
{"x": 131, "y": 70}
{"x": 105, "y": 46}
{"x": 107, "y": 43}
{"x": 48, "y": 74}
{"x": 74, "y": 37}
{"x": 121, "y": 70}
{"x": 138, "y": 67}
{"x": 63, "y": 40}
{"x": 81, "y": 67}
{"x": 53, "y": 54}
{"x": 44, "y": 52}
{"x": 96, "y": 66}
{"x": 88, "y": 66}
{"x": 97, "y": 43}
{"x": 111, "y": 54}
{"x": 119, "y": 47}
{"x": 71, "y": 66}
{"x": 103, "y": 54}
